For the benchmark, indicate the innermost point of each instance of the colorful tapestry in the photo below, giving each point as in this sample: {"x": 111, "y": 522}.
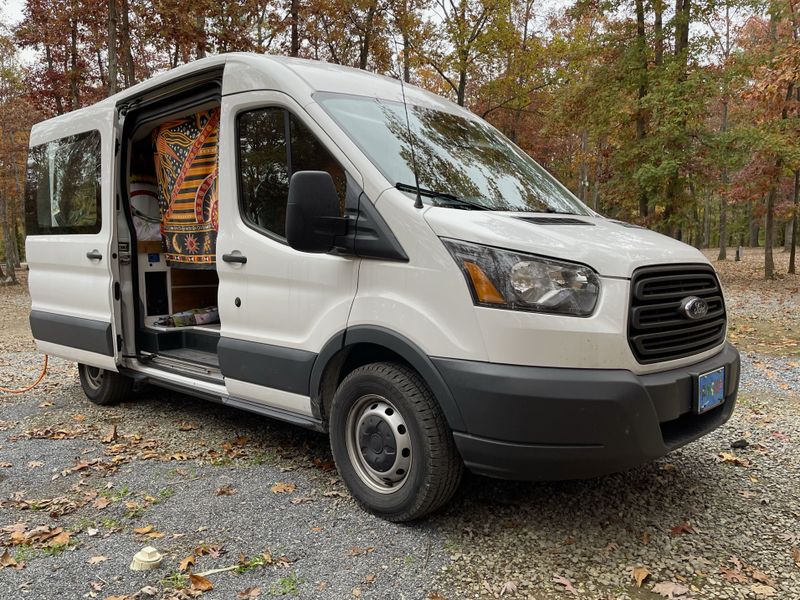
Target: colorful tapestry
{"x": 186, "y": 167}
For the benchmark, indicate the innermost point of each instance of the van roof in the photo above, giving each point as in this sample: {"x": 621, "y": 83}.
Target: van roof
{"x": 298, "y": 77}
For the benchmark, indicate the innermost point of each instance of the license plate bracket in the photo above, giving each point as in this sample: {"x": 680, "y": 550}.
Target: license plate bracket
{"x": 710, "y": 390}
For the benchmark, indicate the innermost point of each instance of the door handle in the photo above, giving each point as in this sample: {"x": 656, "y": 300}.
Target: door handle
{"x": 234, "y": 258}
{"x": 94, "y": 255}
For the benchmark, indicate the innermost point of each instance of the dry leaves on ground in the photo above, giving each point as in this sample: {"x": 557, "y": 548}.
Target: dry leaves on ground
{"x": 566, "y": 584}
{"x": 200, "y": 583}
{"x": 282, "y": 488}
{"x": 640, "y": 574}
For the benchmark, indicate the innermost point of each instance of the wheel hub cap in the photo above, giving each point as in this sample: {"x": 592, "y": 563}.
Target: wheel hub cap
{"x": 378, "y": 443}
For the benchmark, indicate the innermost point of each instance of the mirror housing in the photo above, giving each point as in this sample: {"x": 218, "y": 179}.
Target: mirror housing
{"x": 312, "y": 212}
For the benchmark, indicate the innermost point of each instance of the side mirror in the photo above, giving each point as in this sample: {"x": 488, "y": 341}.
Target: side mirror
{"x": 312, "y": 212}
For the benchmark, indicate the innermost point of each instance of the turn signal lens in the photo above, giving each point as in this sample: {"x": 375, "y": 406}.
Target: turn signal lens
{"x": 484, "y": 288}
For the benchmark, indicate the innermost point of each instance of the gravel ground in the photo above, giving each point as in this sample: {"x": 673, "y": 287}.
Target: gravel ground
{"x": 197, "y": 479}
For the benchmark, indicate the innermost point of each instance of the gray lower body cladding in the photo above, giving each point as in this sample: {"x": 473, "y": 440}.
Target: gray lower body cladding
{"x": 534, "y": 423}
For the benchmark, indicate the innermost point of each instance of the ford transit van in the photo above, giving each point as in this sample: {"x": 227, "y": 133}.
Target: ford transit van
{"x": 331, "y": 248}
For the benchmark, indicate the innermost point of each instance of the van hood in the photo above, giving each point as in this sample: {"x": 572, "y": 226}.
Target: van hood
{"x": 612, "y": 248}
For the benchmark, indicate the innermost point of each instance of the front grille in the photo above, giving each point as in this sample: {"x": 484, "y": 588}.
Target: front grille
{"x": 657, "y": 329}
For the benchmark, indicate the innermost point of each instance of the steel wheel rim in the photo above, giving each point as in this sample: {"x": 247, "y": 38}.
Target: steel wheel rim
{"x": 94, "y": 377}
{"x": 378, "y": 444}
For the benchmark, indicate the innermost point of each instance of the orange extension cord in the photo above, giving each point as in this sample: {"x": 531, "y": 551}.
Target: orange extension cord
{"x": 30, "y": 387}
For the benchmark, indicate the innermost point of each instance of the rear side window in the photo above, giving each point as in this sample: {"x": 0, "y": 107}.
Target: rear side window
{"x": 274, "y": 144}
{"x": 62, "y": 191}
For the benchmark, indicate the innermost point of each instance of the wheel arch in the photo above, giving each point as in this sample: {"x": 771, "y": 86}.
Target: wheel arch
{"x": 364, "y": 344}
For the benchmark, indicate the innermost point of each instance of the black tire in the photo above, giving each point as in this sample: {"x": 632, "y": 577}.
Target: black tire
{"x": 359, "y": 410}
{"x": 104, "y": 387}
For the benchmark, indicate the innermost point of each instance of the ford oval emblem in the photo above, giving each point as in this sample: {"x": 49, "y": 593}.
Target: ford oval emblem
{"x": 694, "y": 308}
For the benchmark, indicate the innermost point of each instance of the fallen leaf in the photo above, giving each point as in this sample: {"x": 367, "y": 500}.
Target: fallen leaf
{"x": 566, "y": 583}
{"x": 639, "y": 575}
{"x": 101, "y": 502}
{"x": 796, "y": 556}
{"x": 684, "y": 527}
{"x": 225, "y": 490}
{"x": 509, "y": 587}
{"x": 282, "y": 488}
{"x": 730, "y": 458}
{"x": 6, "y": 560}
{"x": 186, "y": 563}
{"x": 356, "y": 592}
{"x": 97, "y": 559}
{"x": 763, "y": 590}
{"x": 334, "y": 494}
{"x": 200, "y": 583}
{"x": 249, "y": 593}
{"x": 35, "y": 464}
{"x": 645, "y": 537}
{"x": 187, "y": 426}
{"x": 301, "y": 500}
{"x": 91, "y": 531}
{"x": 110, "y": 436}
{"x": 667, "y": 589}
{"x": 357, "y": 551}
{"x": 149, "y": 590}
{"x": 762, "y": 577}
{"x": 59, "y": 540}
{"x": 733, "y": 575}
{"x": 143, "y": 530}
{"x": 78, "y": 418}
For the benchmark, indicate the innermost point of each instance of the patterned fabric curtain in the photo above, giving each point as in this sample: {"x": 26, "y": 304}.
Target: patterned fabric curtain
{"x": 186, "y": 168}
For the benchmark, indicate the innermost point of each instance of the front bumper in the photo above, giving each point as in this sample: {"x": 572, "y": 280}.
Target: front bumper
{"x": 542, "y": 423}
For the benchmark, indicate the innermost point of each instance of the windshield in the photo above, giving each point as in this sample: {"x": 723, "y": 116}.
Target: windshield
{"x": 458, "y": 156}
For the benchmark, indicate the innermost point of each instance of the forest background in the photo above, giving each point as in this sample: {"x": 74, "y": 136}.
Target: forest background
{"x": 680, "y": 117}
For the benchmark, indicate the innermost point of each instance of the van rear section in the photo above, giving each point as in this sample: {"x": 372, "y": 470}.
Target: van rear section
{"x": 255, "y": 231}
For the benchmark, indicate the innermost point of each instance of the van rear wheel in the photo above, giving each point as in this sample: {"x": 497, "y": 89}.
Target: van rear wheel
{"x": 391, "y": 443}
{"x": 102, "y": 386}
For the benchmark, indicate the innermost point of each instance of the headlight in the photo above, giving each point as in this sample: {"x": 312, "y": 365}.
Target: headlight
{"x": 516, "y": 281}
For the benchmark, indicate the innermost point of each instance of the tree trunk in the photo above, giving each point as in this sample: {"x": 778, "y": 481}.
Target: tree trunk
{"x": 366, "y": 41}
{"x": 795, "y": 201}
{"x": 112, "y": 47}
{"x": 755, "y": 226}
{"x": 769, "y": 230}
{"x": 56, "y": 96}
{"x": 129, "y": 71}
{"x": 73, "y": 59}
{"x": 295, "y": 15}
{"x": 641, "y": 125}
{"x": 683, "y": 9}
{"x": 462, "y": 86}
{"x": 9, "y": 241}
{"x": 200, "y": 26}
{"x": 658, "y": 28}
{"x": 11, "y": 209}
{"x": 583, "y": 168}
{"x": 723, "y": 199}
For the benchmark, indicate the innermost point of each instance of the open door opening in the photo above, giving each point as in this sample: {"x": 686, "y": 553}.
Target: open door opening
{"x": 170, "y": 206}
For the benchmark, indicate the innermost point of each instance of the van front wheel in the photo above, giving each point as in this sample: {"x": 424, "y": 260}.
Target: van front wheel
{"x": 391, "y": 443}
{"x": 104, "y": 387}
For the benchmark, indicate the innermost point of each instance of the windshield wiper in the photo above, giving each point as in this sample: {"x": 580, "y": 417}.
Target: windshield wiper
{"x": 452, "y": 198}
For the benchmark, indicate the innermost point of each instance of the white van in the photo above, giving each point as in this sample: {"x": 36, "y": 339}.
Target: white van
{"x": 321, "y": 245}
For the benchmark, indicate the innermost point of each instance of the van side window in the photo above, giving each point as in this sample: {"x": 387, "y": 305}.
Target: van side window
{"x": 62, "y": 191}
{"x": 274, "y": 144}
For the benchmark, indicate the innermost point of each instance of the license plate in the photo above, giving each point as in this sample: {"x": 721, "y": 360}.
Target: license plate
{"x": 710, "y": 390}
